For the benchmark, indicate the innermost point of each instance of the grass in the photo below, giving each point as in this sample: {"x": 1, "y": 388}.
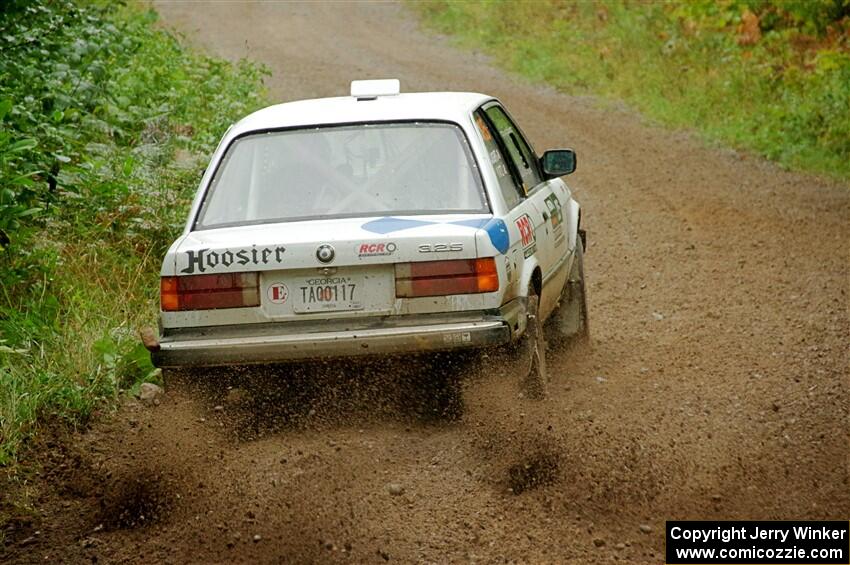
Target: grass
{"x": 769, "y": 77}
{"x": 107, "y": 123}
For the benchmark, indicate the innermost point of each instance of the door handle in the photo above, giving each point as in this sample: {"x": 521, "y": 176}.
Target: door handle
{"x": 545, "y": 217}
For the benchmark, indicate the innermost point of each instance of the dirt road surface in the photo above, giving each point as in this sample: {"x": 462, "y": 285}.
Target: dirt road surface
{"x": 715, "y": 386}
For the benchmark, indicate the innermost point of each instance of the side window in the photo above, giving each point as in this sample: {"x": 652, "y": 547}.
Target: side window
{"x": 519, "y": 150}
{"x": 509, "y": 189}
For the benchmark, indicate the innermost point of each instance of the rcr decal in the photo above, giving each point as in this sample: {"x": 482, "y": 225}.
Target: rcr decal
{"x": 526, "y": 234}
{"x": 439, "y": 247}
{"x": 375, "y": 249}
{"x": 203, "y": 259}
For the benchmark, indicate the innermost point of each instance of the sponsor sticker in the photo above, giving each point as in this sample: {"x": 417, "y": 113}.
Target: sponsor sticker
{"x": 482, "y": 127}
{"x": 457, "y": 337}
{"x": 222, "y": 259}
{"x": 555, "y": 214}
{"x": 277, "y": 293}
{"x": 526, "y": 234}
{"x": 556, "y": 217}
{"x": 375, "y": 249}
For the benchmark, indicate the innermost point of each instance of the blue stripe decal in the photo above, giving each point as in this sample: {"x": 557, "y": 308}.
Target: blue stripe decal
{"x": 499, "y": 236}
{"x": 389, "y": 225}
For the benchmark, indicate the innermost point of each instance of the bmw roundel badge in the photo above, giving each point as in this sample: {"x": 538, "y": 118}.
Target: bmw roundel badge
{"x": 325, "y": 253}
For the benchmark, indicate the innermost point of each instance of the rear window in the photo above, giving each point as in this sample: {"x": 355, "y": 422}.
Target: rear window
{"x": 346, "y": 171}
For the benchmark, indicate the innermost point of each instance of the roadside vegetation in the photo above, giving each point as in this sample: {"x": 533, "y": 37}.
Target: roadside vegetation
{"x": 770, "y": 76}
{"x": 105, "y": 126}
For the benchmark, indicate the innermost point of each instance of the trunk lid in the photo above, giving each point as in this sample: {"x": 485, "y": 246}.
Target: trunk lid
{"x": 323, "y": 268}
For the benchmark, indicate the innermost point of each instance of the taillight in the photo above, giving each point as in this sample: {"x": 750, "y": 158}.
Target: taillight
{"x": 441, "y": 278}
{"x": 208, "y": 292}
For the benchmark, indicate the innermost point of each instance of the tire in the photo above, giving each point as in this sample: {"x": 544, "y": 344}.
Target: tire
{"x": 532, "y": 353}
{"x": 569, "y": 323}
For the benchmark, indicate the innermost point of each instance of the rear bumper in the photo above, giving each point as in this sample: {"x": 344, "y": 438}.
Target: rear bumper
{"x": 292, "y": 341}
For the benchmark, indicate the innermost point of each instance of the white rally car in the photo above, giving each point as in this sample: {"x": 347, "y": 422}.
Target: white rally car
{"x": 380, "y": 223}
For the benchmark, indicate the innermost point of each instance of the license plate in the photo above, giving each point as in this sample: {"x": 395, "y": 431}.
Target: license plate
{"x": 328, "y": 294}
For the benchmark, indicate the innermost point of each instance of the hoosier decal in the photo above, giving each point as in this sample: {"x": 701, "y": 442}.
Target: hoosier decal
{"x": 202, "y": 259}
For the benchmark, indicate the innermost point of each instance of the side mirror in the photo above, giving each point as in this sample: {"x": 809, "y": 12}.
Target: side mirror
{"x": 558, "y": 162}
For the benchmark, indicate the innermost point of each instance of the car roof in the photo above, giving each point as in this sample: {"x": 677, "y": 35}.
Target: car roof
{"x": 443, "y": 106}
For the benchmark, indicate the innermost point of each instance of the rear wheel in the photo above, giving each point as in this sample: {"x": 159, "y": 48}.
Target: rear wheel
{"x": 569, "y": 323}
{"x": 532, "y": 352}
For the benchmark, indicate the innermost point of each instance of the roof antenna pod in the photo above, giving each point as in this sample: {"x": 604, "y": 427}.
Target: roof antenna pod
{"x": 371, "y": 89}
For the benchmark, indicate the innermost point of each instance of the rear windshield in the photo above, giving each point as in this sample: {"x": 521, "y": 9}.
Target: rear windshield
{"x": 353, "y": 170}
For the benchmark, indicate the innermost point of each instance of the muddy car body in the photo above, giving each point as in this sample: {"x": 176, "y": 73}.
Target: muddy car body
{"x": 372, "y": 224}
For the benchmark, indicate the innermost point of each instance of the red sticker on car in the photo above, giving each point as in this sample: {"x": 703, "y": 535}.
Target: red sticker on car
{"x": 526, "y": 234}
{"x": 526, "y": 230}
{"x": 278, "y": 293}
{"x": 375, "y": 249}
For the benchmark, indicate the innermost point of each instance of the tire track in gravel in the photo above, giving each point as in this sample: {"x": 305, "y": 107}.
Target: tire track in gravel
{"x": 732, "y": 405}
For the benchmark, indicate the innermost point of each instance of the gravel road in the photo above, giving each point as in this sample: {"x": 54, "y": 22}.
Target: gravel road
{"x": 716, "y": 386}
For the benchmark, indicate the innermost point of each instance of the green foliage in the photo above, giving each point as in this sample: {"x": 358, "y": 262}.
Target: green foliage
{"x": 772, "y": 77}
{"x": 105, "y": 124}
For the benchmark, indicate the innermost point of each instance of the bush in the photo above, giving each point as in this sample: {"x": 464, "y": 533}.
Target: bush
{"x": 106, "y": 125}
